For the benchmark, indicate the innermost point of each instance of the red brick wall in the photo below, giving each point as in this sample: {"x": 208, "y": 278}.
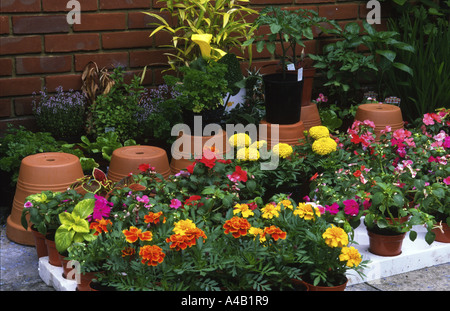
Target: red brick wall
{"x": 40, "y": 49}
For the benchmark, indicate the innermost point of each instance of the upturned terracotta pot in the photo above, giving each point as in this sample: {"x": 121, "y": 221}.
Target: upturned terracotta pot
{"x": 444, "y": 235}
{"x": 54, "y": 171}
{"x": 310, "y": 116}
{"x": 385, "y": 245}
{"x": 188, "y": 147}
{"x": 382, "y": 115}
{"x": 53, "y": 255}
{"x": 291, "y": 134}
{"x": 127, "y": 159}
{"x": 39, "y": 242}
{"x": 314, "y": 288}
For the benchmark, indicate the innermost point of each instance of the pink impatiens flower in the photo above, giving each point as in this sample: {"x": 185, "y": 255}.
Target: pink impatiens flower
{"x": 447, "y": 181}
{"x": 351, "y": 207}
{"x": 175, "y": 203}
{"x": 333, "y": 209}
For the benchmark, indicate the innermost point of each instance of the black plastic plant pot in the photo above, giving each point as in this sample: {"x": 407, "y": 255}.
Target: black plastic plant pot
{"x": 283, "y": 98}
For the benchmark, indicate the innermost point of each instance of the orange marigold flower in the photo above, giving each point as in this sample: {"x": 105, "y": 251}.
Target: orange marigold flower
{"x": 100, "y": 225}
{"x": 153, "y": 218}
{"x": 275, "y": 232}
{"x": 128, "y": 251}
{"x": 187, "y": 239}
{"x": 237, "y": 226}
{"x": 134, "y": 234}
{"x": 151, "y": 255}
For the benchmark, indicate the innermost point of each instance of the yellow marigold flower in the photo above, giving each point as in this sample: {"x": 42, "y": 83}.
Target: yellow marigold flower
{"x": 270, "y": 210}
{"x": 251, "y": 154}
{"x": 317, "y": 132}
{"x": 351, "y": 255}
{"x": 324, "y": 146}
{"x": 335, "y": 237}
{"x": 243, "y": 209}
{"x": 182, "y": 226}
{"x": 240, "y": 140}
{"x": 285, "y": 203}
{"x": 259, "y": 144}
{"x": 258, "y": 231}
{"x": 283, "y": 150}
{"x": 307, "y": 211}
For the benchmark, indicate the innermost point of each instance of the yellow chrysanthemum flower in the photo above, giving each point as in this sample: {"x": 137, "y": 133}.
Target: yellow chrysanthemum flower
{"x": 335, "y": 237}
{"x": 243, "y": 209}
{"x": 324, "y": 146}
{"x": 307, "y": 211}
{"x": 258, "y": 231}
{"x": 317, "y": 132}
{"x": 351, "y": 255}
{"x": 183, "y": 225}
{"x": 251, "y": 154}
{"x": 259, "y": 144}
{"x": 283, "y": 150}
{"x": 270, "y": 210}
{"x": 240, "y": 140}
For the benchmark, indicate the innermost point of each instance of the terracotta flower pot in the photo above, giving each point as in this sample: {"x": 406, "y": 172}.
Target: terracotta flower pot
{"x": 66, "y": 267}
{"x": 186, "y": 147}
{"x": 39, "y": 242}
{"x": 54, "y": 171}
{"x": 385, "y": 245}
{"x": 127, "y": 159}
{"x": 310, "y": 115}
{"x": 314, "y": 288}
{"x": 53, "y": 254}
{"x": 287, "y": 133}
{"x": 308, "y": 80}
{"x": 382, "y": 115}
{"x": 444, "y": 236}
{"x": 85, "y": 279}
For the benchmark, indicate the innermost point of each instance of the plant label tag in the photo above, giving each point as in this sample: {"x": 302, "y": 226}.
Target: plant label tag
{"x": 110, "y": 129}
{"x": 290, "y": 67}
{"x": 300, "y": 74}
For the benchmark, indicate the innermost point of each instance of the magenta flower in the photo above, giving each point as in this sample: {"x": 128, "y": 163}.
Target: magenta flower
{"x": 28, "y": 204}
{"x": 102, "y": 208}
{"x": 427, "y": 119}
{"x": 351, "y": 207}
{"x": 175, "y": 203}
{"x": 333, "y": 209}
{"x": 447, "y": 142}
{"x": 447, "y": 181}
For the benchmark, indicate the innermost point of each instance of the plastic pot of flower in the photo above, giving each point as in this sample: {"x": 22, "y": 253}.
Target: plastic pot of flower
{"x": 126, "y": 160}
{"x": 54, "y": 171}
{"x": 283, "y": 98}
{"x": 443, "y": 235}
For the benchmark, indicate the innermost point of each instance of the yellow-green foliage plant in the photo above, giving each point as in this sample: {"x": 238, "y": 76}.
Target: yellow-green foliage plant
{"x": 224, "y": 20}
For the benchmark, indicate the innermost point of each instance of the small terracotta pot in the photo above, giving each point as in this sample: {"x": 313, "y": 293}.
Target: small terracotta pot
{"x": 385, "y": 245}
{"x": 54, "y": 171}
{"x": 66, "y": 267}
{"x": 127, "y": 159}
{"x": 382, "y": 115}
{"x": 85, "y": 280}
{"x": 187, "y": 147}
{"x": 308, "y": 81}
{"x": 287, "y": 133}
{"x": 314, "y": 288}
{"x": 39, "y": 242}
{"x": 310, "y": 116}
{"x": 443, "y": 237}
{"x": 53, "y": 254}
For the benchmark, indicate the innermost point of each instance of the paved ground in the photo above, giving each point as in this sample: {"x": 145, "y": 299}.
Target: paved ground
{"x": 19, "y": 272}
